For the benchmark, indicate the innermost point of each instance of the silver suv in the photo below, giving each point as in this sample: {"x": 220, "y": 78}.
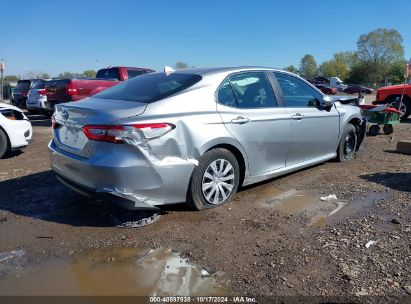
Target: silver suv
{"x": 196, "y": 135}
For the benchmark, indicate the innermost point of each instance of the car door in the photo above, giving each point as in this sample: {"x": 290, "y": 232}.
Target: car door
{"x": 248, "y": 108}
{"x": 315, "y": 130}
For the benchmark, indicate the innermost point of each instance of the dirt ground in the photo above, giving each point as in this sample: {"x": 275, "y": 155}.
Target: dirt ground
{"x": 276, "y": 239}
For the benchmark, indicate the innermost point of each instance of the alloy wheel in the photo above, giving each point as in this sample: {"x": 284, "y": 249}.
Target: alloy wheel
{"x": 349, "y": 146}
{"x": 218, "y": 181}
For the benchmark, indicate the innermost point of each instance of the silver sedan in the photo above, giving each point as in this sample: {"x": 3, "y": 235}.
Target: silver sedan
{"x": 196, "y": 135}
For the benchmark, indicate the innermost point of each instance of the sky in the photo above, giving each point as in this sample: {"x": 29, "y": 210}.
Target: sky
{"x": 57, "y": 36}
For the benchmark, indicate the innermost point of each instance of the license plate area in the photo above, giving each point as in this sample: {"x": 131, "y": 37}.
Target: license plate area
{"x": 72, "y": 137}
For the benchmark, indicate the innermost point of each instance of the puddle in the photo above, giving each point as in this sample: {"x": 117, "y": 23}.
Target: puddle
{"x": 303, "y": 203}
{"x": 318, "y": 210}
{"x": 127, "y": 271}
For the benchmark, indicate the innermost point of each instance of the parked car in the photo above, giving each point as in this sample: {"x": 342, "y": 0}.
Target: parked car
{"x": 320, "y": 80}
{"x": 196, "y": 135}
{"x": 37, "y": 98}
{"x": 20, "y": 93}
{"x": 15, "y": 129}
{"x": 355, "y": 89}
{"x": 74, "y": 89}
{"x": 391, "y": 95}
{"x": 337, "y": 83}
{"x": 326, "y": 89}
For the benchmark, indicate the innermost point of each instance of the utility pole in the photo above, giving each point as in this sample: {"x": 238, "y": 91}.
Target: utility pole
{"x": 2, "y": 67}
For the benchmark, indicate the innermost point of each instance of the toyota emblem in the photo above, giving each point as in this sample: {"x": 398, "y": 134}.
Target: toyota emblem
{"x": 65, "y": 114}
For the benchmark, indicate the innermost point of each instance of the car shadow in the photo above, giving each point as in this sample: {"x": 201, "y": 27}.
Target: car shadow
{"x": 42, "y": 196}
{"x": 396, "y": 181}
{"x": 12, "y": 154}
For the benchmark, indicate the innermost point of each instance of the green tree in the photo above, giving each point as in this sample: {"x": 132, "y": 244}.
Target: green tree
{"x": 67, "y": 75}
{"x": 359, "y": 73}
{"x": 336, "y": 67}
{"x": 181, "y": 65}
{"x": 90, "y": 73}
{"x": 396, "y": 71}
{"x": 291, "y": 69}
{"x": 43, "y": 75}
{"x": 350, "y": 58}
{"x": 380, "y": 49}
{"x": 11, "y": 78}
{"x": 308, "y": 67}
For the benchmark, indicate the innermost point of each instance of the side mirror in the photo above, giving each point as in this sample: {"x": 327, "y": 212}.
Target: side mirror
{"x": 327, "y": 103}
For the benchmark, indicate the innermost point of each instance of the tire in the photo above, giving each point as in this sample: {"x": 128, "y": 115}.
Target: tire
{"x": 405, "y": 107}
{"x": 388, "y": 129}
{"x": 4, "y": 144}
{"x": 374, "y": 130}
{"x": 206, "y": 176}
{"x": 348, "y": 144}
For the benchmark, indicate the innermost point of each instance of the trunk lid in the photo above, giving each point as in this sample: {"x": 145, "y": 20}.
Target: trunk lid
{"x": 71, "y": 117}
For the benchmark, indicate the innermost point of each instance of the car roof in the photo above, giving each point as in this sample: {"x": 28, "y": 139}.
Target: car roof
{"x": 218, "y": 70}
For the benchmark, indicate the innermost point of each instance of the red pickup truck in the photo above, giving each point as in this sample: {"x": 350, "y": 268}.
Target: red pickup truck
{"x": 388, "y": 95}
{"x": 73, "y": 89}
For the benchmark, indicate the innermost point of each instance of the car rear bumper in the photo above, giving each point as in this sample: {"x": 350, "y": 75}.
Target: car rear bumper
{"x": 126, "y": 174}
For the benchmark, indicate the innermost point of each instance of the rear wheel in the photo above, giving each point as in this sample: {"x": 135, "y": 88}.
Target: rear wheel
{"x": 405, "y": 107}
{"x": 374, "y": 130}
{"x": 4, "y": 144}
{"x": 388, "y": 129}
{"x": 214, "y": 181}
{"x": 348, "y": 144}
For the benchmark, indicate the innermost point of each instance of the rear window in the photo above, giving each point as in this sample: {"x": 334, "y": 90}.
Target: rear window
{"x": 38, "y": 85}
{"x": 111, "y": 73}
{"x": 150, "y": 87}
{"x": 23, "y": 85}
{"x": 134, "y": 73}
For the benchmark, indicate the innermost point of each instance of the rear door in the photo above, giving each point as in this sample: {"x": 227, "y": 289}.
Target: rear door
{"x": 248, "y": 107}
{"x": 314, "y": 131}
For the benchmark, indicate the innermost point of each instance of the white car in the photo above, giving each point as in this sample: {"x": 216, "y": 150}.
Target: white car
{"x": 15, "y": 129}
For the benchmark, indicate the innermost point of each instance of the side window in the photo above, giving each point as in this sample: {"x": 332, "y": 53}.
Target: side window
{"x": 252, "y": 90}
{"x": 297, "y": 93}
{"x": 226, "y": 94}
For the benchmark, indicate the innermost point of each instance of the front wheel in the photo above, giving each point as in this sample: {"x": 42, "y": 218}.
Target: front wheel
{"x": 348, "y": 144}
{"x": 214, "y": 181}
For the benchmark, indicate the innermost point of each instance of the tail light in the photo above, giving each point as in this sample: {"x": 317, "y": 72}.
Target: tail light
{"x": 24, "y": 93}
{"x": 136, "y": 134}
{"x": 42, "y": 92}
{"x": 71, "y": 88}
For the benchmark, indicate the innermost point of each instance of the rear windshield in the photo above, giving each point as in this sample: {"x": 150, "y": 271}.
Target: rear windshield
{"x": 38, "y": 85}
{"x": 23, "y": 85}
{"x": 111, "y": 73}
{"x": 151, "y": 87}
{"x": 134, "y": 73}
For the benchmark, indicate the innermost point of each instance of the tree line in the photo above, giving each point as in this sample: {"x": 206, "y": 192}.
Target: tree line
{"x": 43, "y": 75}
{"x": 379, "y": 59}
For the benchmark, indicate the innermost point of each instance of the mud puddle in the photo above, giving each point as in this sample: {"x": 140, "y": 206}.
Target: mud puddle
{"x": 126, "y": 271}
{"x": 317, "y": 209}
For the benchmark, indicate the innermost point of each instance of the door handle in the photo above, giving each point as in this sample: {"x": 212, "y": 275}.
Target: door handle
{"x": 297, "y": 116}
{"x": 240, "y": 120}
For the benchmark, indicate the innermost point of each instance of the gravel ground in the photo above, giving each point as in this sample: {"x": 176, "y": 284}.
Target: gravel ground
{"x": 261, "y": 250}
